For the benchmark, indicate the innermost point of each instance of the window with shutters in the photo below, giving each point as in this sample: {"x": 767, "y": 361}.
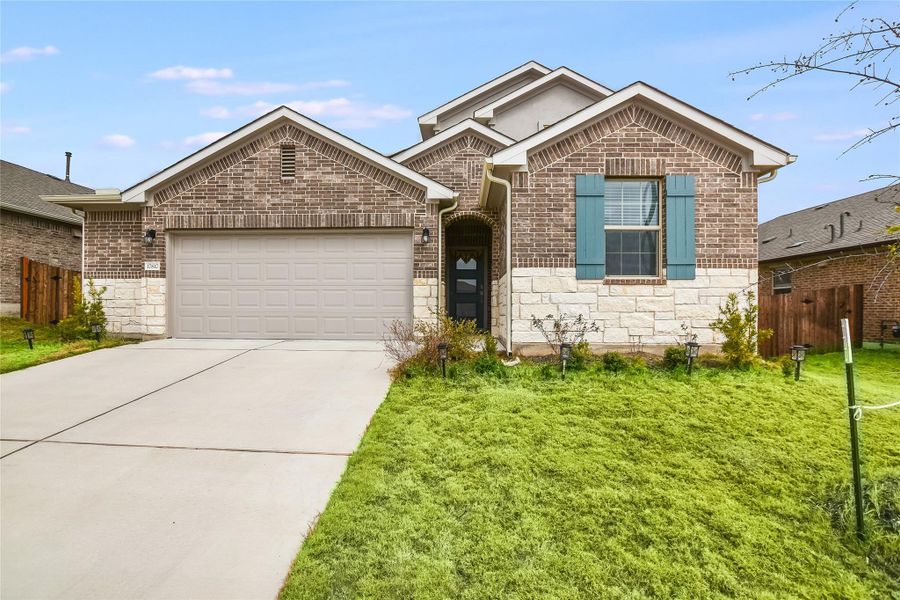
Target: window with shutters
{"x": 631, "y": 220}
{"x": 288, "y": 162}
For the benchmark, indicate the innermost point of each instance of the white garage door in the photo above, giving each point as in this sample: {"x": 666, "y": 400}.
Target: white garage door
{"x": 322, "y": 285}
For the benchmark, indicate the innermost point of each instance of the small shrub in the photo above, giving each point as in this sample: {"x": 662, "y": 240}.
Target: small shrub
{"x": 581, "y": 356}
{"x": 416, "y": 344}
{"x": 563, "y": 329}
{"x": 739, "y": 328}
{"x": 85, "y": 312}
{"x": 490, "y": 345}
{"x": 614, "y": 362}
{"x": 638, "y": 363}
{"x": 784, "y": 363}
{"x": 674, "y": 357}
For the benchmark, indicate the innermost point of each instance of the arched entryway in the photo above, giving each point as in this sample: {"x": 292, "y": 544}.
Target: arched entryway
{"x": 468, "y": 282}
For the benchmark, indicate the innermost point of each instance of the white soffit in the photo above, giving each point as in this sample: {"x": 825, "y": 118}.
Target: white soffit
{"x": 434, "y": 190}
{"x": 762, "y": 154}
{"x": 560, "y": 75}
{"x": 431, "y": 118}
{"x": 458, "y": 129}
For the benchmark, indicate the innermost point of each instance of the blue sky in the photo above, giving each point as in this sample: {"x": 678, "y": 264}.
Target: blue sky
{"x": 100, "y": 79}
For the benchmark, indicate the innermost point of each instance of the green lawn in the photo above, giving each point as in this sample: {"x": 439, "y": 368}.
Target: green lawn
{"x": 15, "y": 354}
{"x": 633, "y": 485}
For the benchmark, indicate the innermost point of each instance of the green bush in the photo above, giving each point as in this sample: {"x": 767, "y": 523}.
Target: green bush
{"x": 490, "y": 365}
{"x": 614, "y": 362}
{"x": 739, "y": 328}
{"x": 85, "y": 312}
{"x": 490, "y": 345}
{"x": 416, "y": 345}
{"x": 784, "y": 363}
{"x": 674, "y": 357}
{"x": 581, "y": 356}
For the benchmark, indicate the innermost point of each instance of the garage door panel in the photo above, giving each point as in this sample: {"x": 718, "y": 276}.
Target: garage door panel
{"x": 300, "y": 285}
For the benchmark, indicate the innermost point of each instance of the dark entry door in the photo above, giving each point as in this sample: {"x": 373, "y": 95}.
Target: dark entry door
{"x": 467, "y": 285}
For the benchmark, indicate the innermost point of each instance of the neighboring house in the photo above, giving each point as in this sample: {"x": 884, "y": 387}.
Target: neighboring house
{"x": 630, "y": 207}
{"x": 840, "y": 243}
{"x": 33, "y": 228}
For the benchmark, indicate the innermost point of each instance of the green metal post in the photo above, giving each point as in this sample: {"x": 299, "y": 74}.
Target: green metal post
{"x": 854, "y": 430}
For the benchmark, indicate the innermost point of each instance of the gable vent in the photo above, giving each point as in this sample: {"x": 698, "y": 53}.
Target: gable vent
{"x": 288, "y": 162}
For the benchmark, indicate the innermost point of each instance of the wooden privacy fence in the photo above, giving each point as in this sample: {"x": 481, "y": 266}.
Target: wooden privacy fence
{"x": 47, "y": 292}
{"x": 811, "y": 318}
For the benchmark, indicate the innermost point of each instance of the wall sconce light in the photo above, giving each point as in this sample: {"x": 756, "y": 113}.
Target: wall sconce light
{"x": 798, "y": 355}
{"x": 96, "y": 330}
{"x": 28, "y": 335}
{"x": 150, "y": 237}
{"x": 565, "y": 353}
{"x": 442, "y": 356}
{"x": 691, "y": 351}
{"x": 426, "y": 236}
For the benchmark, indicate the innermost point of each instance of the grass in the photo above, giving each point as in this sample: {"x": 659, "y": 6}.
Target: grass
{"x": 633, "y": 485}
{"x": 15, "y": 354}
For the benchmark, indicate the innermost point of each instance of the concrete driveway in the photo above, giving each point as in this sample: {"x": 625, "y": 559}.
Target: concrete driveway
{"x": 177, "y": 468}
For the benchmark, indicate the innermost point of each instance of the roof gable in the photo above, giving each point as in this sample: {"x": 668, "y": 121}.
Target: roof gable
{"x": 21, "y": 189}
{"x": 809, "y": 231}
{"x": 560, "y": 76}
{"x": 761, "y": 155}
{"x": 528, "y": 72}
{"x": 283, "y": 114}
{"x": 461, "y": 128}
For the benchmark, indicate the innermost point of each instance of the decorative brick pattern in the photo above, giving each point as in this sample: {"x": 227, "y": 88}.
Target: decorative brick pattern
{"x": 39, "y": 239}
{"x": 869, "y": 267}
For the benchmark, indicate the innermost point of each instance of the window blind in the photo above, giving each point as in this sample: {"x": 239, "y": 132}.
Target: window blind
{"x": 631, "y": 203}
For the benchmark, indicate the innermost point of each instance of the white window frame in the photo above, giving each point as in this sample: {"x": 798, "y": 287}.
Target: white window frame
{"x": 657, "y": 228}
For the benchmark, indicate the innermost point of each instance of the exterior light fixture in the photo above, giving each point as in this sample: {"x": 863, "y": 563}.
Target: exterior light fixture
{"x": 565, "y": 353}
{"x": 150, "y": 237}
{"x": 691, "y": 351}
{"x": 895, "y": 330}
{"x": 28, "y": 335}
{"x": 96, "y": 330}
{"x": 798, "y": 355}
{"x": 426, "y": 236}
{"x": 442, "y": 356}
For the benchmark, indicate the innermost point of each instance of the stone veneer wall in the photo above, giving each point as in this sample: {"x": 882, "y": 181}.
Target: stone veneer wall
{"x": 135, "y": 307}
{"x": 654, "y": 312}
{"x": 425, "y": 295}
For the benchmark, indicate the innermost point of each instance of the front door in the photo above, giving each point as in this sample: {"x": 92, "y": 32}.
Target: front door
{"x": 466, "y": 285}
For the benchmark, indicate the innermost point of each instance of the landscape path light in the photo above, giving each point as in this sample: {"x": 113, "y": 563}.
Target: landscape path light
{"x": 691, "y": 351}
{"x": 96, "y": 330}
{"x": 442, "y": 356}
{"x": 798, "y": 355}
{"x": 565, "y": 353}
{"x": 28, "y": 335}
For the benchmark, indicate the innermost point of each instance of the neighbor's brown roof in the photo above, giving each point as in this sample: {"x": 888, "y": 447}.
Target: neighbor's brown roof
{"x": 866, "y": 218}
{"x": 21, "y": 188}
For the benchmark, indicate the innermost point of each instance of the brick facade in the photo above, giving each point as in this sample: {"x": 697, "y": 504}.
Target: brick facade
{"x": 39, "y": 239}
{"x": 873, "y": 268}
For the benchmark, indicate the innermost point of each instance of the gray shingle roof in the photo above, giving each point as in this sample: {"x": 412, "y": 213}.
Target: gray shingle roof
{"x": 807, "y": 231}
{"x": 21, "y": 188}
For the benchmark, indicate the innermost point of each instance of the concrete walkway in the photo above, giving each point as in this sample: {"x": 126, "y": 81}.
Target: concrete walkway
{"x": 177, "y": 468}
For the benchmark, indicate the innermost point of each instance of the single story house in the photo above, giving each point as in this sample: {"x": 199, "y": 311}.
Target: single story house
{"x": 539, "y": 192}
{"x": 840, "y": 243}
{"x": 33, "y": 228}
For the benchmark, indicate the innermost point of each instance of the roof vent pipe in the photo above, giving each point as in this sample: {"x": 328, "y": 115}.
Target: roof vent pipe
{"x": 68, "y": 165}
{"x": 843, "y": 214}
{"x": 860, "y": 226}
{"x": 832, "y": 232}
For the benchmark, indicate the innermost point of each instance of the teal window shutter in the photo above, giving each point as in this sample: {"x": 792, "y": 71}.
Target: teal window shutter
{"x": 590, "y": 238}
{"x": 681, "y": 240}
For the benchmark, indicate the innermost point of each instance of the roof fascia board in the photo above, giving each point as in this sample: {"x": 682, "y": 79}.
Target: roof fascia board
{"x": 88, "y": 201}
{"x": 459, "y": 128}
{"x": 75, "y": 220}
{"x": 433, "y": 189}
{"x": 762, "y": 154}
{"x": 557, "y": 76}
{"x": 431, "y": 117}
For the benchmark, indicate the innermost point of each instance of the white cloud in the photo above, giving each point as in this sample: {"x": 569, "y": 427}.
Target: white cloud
{"x": 780, "y": 116}
{"x": 340, "y": 112}
{"x": 203, "y": 139}
{"x": 24, "y": 53}
{"x": 841, "y": 136}
{"x": 117, "y": 140}
{"x": 183, "y": 72}
{"x": 209, "y": 87}
{"x": 14, "y": 129}
{"x": 4, "y": 87}
{"x": 216, "y": 112}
